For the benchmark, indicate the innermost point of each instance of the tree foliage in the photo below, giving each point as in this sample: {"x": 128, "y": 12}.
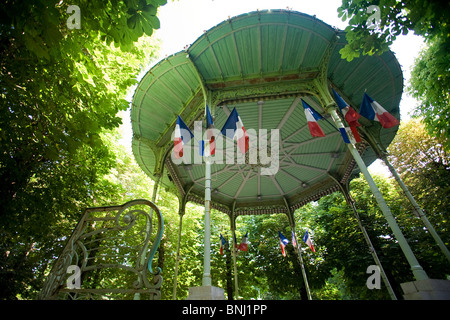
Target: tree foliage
{"x": 429, "y": 84}
{"x": 426, "y": 18}
{"x": 276, "y": 277}
{"x": 61, "y": 89}
{"x": 337, "y": 270}
{"x": 344, "y": 253}
{"x": 424, "y": 165}
{"x": 60, "y": 86}
{"x": 430, "y": 76}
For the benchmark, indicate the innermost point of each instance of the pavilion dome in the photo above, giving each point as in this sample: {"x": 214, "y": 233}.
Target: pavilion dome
{"x": 263, "y": 63}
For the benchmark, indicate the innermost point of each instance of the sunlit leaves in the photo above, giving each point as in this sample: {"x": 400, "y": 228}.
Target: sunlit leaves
{"x": 430, "y": 82}
{"x": 60, "y": 89}
{"x": 430, "y": 77}
{"x": 426, "y": 18}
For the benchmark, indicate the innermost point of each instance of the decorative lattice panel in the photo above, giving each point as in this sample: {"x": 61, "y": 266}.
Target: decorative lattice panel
{"x": 109, "y": 255}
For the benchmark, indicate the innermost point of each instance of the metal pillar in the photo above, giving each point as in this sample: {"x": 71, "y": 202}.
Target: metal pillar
{"x": 137, "y": 296}
{"x": 351, "y": 202}
{"x": 234, "y": 251}
{"x": 206, "y": 280}
{"x": 299, "y": 255}
{"x": 416, "y": 268}
{"x": 181, "y": 212}
{"x": 383, "y": 156}
{"x": 298, "y": 249}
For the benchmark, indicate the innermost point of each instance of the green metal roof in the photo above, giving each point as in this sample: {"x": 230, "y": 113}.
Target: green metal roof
{"x": 262, "y": 63}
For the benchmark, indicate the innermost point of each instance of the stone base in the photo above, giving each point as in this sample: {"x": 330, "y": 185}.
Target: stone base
{"x": 430, "y": 289}
{"x": 206, "y": 293}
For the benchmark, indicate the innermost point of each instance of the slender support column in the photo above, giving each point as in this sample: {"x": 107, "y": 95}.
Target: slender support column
{"x": 373, "y": 253}
{"x": 207, "y": 291}
{"x": 234, "y": 251}
{"x": 419, "y": 210}
{"x": 416, "y": 268}
{"x": 206, "y": 281}
{"x": 351, "y": 202}
{"x": 298, "y": 249}
{"x": 299, "y": 255}
{"x": 148, "y": 228}
{"x": 382, "y": 155}
{"x": 181, "y": 212}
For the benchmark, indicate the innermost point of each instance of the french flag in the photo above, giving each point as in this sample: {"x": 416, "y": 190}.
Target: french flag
{"x": 243, "y": 246}
{"x": 222, "y": 244}
{"x": 234, "y": 129}
{"x": 283, "y": 243}
{"x": 372, "y": 110}
{"x": 294, "y": 242}
{"x": 208, "y": 148}
{"x": 182, "y": 136}
{"x": 312, "y": 116}
{"x": 350, "y": 115}
{"x": 307, "y": 240}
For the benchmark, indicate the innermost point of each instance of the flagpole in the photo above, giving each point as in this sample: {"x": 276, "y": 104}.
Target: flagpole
{"x": 416, "y": 268}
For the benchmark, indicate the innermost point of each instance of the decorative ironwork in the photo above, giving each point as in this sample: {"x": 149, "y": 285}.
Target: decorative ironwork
{"x": 108, "y": 250}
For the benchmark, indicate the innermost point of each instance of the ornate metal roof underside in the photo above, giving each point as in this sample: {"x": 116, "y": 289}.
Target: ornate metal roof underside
{"x": 262, "y": 63}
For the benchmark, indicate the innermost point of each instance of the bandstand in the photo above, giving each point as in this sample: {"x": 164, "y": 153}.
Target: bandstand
{"x": 264, "y": 64}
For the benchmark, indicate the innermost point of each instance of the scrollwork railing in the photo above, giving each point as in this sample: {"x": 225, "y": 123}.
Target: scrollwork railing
{"x": 109, "y": 252}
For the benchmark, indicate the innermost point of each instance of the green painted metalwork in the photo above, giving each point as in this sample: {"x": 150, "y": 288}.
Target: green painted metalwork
{"x": 110, "y": 243}
{"x": 262, "y": 63}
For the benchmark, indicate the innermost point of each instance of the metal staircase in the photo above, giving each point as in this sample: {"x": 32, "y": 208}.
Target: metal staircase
{"x": 109, "y": 255}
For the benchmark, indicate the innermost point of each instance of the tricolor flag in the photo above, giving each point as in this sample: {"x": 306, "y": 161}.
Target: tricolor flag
{"x": 350, "y": 115}
{"x": 294, "y": 242}
{"x": 223, "y": 242}
{"x": 312, "y": 116}
{"x": 181, "y": 137}
{"x": 208, "y": 147}
{"x": 234, "y": 129}
{"x": 372, "y": 110}
{"x": 307, "y": 240}
{"x": 283, "y": 243}
{"x": 344, "y": 135}
{"x": 243, "y": 246}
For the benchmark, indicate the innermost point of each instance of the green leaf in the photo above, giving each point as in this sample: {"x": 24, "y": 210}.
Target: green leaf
{"x": 147, "y": 28}
{"x": 132, "y": 21}
{"x": 157, "y": 3}
{"x": 154, "y": 22}
{"x": 149, "y": 10}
